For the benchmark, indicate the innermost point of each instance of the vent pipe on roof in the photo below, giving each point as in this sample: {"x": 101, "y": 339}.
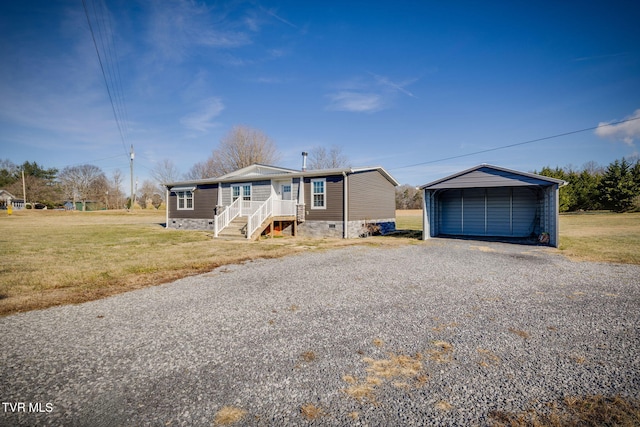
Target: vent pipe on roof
{"x": 304, "y": 161}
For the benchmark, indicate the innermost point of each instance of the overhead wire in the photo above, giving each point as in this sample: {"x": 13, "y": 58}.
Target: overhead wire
{"x": 104, "y": 74}
{"x": 113, "y": 62}
{"x": 516, "y": 144}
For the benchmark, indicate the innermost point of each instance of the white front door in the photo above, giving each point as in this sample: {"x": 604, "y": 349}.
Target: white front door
{"x": 285, "y": 191}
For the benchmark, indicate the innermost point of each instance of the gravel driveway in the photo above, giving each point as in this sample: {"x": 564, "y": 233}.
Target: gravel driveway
{"x": 440, "y": 332}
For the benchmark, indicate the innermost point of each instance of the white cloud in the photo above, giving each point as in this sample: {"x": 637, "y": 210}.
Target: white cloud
{"x": 368, "y": 94}
{"x": 176, "y": 29}
{"x": 202, "y": 120}
{"x": 397, "y": 87}
{"x": 627, "y": 131}
{"x": 273, "y": 14}
{"x": 357, "y": 102}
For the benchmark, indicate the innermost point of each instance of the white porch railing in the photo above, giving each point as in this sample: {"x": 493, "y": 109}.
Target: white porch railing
{"x": 263, "y": 212}
{"x": 271, "y": 207}
{"x": 284, "y": 208}
{"x": 257, "y": 213}
{"x": 223, "y": 219}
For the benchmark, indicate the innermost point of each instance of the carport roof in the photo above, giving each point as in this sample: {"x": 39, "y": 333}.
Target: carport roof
{"x": 491, "y": 176}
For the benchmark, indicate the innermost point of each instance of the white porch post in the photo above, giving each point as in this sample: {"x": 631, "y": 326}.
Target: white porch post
{"x": 301, "y": 191}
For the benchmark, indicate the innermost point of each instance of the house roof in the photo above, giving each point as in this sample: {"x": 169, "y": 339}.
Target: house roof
{"x": 4, "y": 195}
{"x": 261, "y": 172}
{"x": 256, "y": 169}
{"x": 491, "y": 176}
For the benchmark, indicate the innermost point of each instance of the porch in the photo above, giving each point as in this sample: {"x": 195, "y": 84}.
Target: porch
{"x": 249, "y": 219}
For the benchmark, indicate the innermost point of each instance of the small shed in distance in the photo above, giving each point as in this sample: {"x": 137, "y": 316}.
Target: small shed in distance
{"x": 492, "y": 201}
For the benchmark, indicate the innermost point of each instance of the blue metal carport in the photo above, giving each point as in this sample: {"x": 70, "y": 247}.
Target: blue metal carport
{"x": 492, "y": 201}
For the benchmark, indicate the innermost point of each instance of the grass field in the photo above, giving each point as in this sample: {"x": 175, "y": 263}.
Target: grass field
{"x": 601, "y": 236}
{"x": 50, "y": 258}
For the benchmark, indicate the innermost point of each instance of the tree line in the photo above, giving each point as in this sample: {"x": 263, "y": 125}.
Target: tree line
{"x": 51, "y": 187}
{"x": 82, "y": 185}
{"x": 593, "y": 187}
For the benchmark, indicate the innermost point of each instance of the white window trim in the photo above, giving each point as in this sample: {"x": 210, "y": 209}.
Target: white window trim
{"x": 250, "y": 192}
{"x": 182, "y": 195}
{"x": 241, "y": 191}
{"x": 324, "y": 193}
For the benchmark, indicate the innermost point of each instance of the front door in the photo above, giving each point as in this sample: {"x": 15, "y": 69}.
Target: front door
{"x": 285, "y": 191}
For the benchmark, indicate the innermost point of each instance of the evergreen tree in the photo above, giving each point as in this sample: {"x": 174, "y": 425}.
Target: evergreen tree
{"x": 617, "y": 188}
{"x": 586, "y": 191}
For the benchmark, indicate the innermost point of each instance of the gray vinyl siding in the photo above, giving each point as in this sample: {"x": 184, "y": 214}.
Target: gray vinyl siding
{"x": 334, "y": 200}
{"x": 260, "y": 191}
{"x": 371, "y": 196}
{"x": 204, "y": 202}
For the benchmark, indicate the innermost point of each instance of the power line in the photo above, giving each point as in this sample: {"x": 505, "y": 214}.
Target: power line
{"x": 516, "y": 144}
{"x": 113, "y": 62}
{"x": 104, "y": 75}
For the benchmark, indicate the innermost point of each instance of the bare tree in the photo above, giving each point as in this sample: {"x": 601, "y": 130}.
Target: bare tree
{"x": 320, "y": 158}
{"x": 593, "y": 168}
{"x": 83, "y": 183}
{"x": 115, "y": 199}
{"x": 202, "y": 170}
{"x": 408, "y": 197}
{"x": 241, "y": 147}
{"x": 146, "y": 192}
{"x": 165, "y": 172}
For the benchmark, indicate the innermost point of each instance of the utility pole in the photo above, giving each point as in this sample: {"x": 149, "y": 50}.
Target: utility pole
{"x": 24, "y": 191}
{"x": 133, "y": 195}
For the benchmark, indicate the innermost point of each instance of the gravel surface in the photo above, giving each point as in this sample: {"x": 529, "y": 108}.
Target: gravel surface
{"x": 471, "y": 326}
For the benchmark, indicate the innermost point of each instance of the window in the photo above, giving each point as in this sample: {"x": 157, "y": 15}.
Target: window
{"x": 318, "y": 193}
{"x": 244, "y": 190}
{"x": 185, "y": 200}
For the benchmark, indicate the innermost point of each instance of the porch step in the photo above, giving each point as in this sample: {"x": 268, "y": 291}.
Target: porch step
{"x": 236, "y": 228}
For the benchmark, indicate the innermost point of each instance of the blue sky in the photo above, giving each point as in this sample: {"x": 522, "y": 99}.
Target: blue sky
{"x": 394, "y": 83}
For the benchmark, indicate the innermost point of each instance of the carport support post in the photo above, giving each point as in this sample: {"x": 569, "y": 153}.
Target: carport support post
{"x": 556, "y": 213}
{"x": 426, "y": 209}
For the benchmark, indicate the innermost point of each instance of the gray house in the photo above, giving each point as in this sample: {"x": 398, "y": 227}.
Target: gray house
{"x": 492, "y": 201}
{"x": 345, "y": 202}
